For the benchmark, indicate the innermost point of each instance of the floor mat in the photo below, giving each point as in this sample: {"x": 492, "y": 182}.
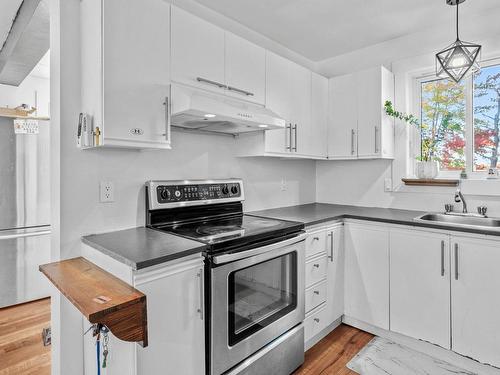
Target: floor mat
{"x": 384, "y": 357}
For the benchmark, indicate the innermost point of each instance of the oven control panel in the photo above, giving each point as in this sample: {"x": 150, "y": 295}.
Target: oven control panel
{"x": 197, "y": 192}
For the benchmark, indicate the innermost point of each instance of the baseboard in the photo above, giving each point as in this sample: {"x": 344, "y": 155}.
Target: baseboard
{"x": 425, "y": 347}
{"x": 315, "y": 339}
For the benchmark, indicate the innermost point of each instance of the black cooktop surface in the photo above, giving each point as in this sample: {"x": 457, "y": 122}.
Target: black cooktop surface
{"x": 234, "y": 230}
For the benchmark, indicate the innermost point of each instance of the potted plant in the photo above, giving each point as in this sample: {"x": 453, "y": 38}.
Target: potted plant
{"x": 426, "y": 167}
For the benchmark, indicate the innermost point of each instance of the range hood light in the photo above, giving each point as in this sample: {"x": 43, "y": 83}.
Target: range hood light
{"x": 209, "y": 115}
{"x": 263, "y": 126}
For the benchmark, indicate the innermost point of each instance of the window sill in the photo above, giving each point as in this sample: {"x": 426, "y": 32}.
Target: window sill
{"x": 430, "y": 182}
{"x": 477, "y": 187}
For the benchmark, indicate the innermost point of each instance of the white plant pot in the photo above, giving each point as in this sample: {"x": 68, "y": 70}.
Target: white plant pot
{"x": 427, "y": 169}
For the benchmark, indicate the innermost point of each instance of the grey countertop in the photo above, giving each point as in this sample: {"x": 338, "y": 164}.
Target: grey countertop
{"x": 143, "y": 247}
{"x": 317, "y": 213}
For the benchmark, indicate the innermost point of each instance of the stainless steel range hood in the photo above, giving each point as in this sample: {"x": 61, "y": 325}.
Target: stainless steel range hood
{"x": 209, "y": 112}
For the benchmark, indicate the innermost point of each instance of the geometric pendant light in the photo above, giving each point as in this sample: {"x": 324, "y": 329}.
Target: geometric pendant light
{"x": 459, "y": 59}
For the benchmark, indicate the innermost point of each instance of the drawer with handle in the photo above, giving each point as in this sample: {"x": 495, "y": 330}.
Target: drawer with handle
{"x": 316, "y": 243}
{"x": 315, "y": 270}
{"x": 315, "y": 322}
{"x": 315, "y": 295}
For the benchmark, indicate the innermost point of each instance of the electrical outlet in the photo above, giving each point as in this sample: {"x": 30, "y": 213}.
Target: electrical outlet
{"x": 284, "y": 185}
{"x": 388, "y": 184}
{"x": 106, "y": 192}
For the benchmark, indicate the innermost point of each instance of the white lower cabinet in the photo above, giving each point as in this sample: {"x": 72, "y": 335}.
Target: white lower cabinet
{"x": 176, "y": 321}
{"x": 335, "y": 273}
{"x": 420, "y": 285}
{"x": 324, "y": 277}
{"x": 315, "y": 295}
{"x": 475, "y": 298}
{"x": 367, "y": 274}
{"x": 176, "y": 327}
{"x": 314, "y": 323}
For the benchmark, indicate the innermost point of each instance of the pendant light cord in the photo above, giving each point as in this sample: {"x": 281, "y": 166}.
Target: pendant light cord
{"x": 458, "y": 2}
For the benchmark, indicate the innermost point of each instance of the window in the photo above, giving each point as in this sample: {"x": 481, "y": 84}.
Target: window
{"x": 460, "y": 122}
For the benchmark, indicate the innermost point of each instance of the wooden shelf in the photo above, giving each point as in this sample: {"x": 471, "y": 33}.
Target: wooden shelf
{"x": 101, "y": 297}
{"x": 430, "y": 182}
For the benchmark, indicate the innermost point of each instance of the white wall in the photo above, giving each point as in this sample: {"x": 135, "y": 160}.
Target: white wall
{"x": 34, "y": 91}
{"x": 192, "y": 156}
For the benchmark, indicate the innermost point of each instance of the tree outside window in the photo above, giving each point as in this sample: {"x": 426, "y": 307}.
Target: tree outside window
{"x": 486, "y": 118}
{"x": 445, "y": 121}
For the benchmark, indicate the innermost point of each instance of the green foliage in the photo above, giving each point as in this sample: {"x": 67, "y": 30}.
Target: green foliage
{"x": 409, "y": 119}
{"x": 443, "y": 123}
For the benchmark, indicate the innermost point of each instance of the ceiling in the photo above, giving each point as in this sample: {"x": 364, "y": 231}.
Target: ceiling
{"x": 24, "y": 38}
{"x": 321, "y": 29}
{"x": 8, "y": 11}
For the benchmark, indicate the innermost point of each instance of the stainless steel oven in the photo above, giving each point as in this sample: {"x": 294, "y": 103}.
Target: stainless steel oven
{"x": 257, "y": 296}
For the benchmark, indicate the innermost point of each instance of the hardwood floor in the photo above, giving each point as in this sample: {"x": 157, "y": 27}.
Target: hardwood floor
{"x": 21, "y": 347}
{"x": 332, "y": 353}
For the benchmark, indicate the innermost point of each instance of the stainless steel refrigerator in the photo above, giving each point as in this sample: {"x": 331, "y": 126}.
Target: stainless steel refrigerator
{"x": 24, "y": 212}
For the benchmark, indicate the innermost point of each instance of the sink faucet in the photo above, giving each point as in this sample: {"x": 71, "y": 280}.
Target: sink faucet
{"x": 459, "y": 197}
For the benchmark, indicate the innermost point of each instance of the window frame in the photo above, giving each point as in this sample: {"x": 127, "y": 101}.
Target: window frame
{"x": 469, "y": 121}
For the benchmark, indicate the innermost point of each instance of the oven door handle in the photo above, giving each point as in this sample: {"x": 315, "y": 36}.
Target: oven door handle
{"x": 226, "y": 258}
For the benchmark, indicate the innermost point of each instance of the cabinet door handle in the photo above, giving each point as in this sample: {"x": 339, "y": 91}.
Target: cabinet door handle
{"x": 331, "y": 246}
{"x": 295, "y": 132}
{"x": 376, "y": 140}
{"x": 288, "y": 137}
{"x": 202, "y": 293}
{"x": 316, "y": 292}
{"x": 316, "y": 320}
{"x": 166, "y": 104}
{"x": 240, "y": 91}
{"x": 316, "y": 239}
{"x": 456, "y": 261}
{"x": 214, "y": 83}
{"x": 352, "y": 141}
{"x": 442, "y": 258}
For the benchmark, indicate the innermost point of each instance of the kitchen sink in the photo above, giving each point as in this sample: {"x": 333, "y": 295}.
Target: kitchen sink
{"x": 461, "y": 220}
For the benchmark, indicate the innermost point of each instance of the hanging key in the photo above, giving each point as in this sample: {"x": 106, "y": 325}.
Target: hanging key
{"x": 104, "y": 358}
{"x": 105, "y": 341}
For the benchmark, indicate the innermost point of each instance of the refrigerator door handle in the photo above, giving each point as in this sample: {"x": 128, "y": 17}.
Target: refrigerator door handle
{"x": 11, "y": 235}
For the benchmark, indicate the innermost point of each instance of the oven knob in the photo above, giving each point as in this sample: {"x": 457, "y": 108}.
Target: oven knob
{"x": 234, "y": 189}
{"x": 165, "y": 195}
{"x": 177, "y": 194}
{"x": 225, "y": 190}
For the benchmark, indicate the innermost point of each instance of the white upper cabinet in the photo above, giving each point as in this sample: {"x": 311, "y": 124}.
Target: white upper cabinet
{"x": 367, "y": 274}
{"x": 375, "y": 128}
{"x": 343, "y": 120}
{"x": 125, "y": 82}
{"x": 206, "y": 56}
{"x": 245, "y": 69}
{"x": 475, "y": 301}
{"x": 300, "y": 105}
{"x": 278, "y": 100}
{"x": 300, "y": 97}
{"x": 358, "y": 126}
{"x": 317, "y": 140}
{"x": 197, "y": 51}
{"x": 420, "y": 285}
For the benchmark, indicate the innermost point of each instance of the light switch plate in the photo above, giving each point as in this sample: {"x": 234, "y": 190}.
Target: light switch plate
{"x": 106, "y": 192}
